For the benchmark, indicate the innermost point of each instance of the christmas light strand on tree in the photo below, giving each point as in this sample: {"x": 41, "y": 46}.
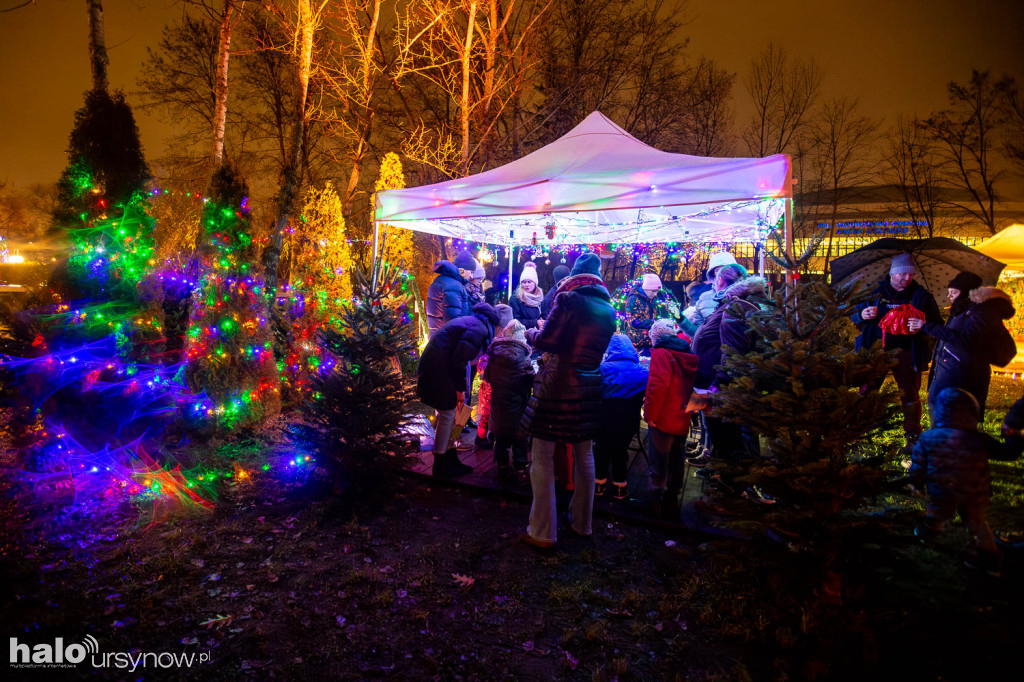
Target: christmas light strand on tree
{"x": 229, "y": 352}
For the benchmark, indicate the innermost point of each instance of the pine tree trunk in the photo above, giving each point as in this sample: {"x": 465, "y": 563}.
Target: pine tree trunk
{"x": 97, "y": 45}
{"x": 290, "y": 182}
{"x": 464, "y": 101}
{"x": 366, "y": 126}
{"x": 220, "y": 113}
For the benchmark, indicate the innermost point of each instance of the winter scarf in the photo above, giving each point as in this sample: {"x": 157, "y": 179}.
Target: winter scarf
{"x": 533, "y": 300}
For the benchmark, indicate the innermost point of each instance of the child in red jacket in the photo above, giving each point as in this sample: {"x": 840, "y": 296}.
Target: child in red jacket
{"x": 672, "y": 372}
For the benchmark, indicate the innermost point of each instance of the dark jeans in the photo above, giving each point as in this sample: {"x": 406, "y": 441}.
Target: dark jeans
{"x": 666, "y": 460}
{"x": 620, "y": 421}
{"x": 518, "y": 446}
{"x": 731, "y": 441}
{"x": 908, "y": 380}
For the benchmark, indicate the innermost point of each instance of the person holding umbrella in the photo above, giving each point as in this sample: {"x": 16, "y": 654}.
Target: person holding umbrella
{"x": 912, "y": 347}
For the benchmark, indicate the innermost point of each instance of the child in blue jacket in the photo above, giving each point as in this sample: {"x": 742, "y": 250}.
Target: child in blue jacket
{"x": 951, "y": 458}
{"x": 624, "y": 381}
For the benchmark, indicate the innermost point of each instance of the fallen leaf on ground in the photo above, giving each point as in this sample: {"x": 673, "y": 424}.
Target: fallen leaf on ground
{"x": 463, "y": 580}
{"x": 218, "y": 621}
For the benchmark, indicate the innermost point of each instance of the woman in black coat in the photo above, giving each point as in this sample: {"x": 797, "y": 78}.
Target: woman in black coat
{"x": 970, "y": 344}
{"x": 510, "y": 374}
{"x": 566, "y": 402}
{"x": 443, "y": 370}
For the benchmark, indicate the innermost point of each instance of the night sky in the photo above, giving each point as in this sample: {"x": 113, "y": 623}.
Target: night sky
{"x": 894, "y": 55}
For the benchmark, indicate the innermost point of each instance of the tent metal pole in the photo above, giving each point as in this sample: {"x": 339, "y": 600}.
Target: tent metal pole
{"x": 787, "y": 227}
{"x": 373, "y": 278}
{"x": 511, "y": 261}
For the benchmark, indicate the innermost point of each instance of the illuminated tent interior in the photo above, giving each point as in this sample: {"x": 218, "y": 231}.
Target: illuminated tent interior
{"x": 1006, "y": 246}
{"x": 597, "y": 184}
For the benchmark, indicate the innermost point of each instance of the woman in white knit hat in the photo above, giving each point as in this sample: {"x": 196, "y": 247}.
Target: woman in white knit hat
{"x": 646, "y": 302}
{"x": 527, "y": 299}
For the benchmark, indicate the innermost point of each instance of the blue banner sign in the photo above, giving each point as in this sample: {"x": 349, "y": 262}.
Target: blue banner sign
{"x": 875, "y": 226}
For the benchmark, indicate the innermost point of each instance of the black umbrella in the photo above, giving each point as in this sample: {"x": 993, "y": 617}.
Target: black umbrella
{"x": 938, "y": 259}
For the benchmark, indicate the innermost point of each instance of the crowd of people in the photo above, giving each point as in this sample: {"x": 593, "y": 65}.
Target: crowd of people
{"x": 558, "y": 378}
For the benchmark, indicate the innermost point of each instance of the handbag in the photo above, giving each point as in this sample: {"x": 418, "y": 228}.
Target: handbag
{"x": 698, "y": 402}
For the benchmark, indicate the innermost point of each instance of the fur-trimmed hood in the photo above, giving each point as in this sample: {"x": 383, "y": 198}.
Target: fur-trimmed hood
{"x": 995, "y": 300}
{"x": 505, "y": 342}
{"x": 748, "y": 287}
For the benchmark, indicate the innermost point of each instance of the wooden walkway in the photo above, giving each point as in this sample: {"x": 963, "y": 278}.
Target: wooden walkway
{"x": 485, "y": 476}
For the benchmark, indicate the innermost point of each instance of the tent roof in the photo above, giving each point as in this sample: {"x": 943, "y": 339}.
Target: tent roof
{"x": 1006, "y": 246}
{"x": 598, "y": 184}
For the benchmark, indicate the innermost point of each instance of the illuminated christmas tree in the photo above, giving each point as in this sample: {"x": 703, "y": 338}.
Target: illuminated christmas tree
{"x": 396, "y": 243}
{"x": 229, "y": 350}
{"x": 102, "y": 200}
{"x": 321, "y": 284}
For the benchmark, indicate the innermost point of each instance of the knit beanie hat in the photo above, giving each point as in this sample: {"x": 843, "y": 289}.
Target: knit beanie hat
{"x": 587, "y": 264}
{"x": 465, "y": 261}
{"x": 719, "y": 259}
{"x": 559, "y": 273}
{"x": 529, "y": 273}
{"x": 965, "y": 281}
{"x": 902, "y": 263}
{"x": 515, "y": 330}
{"x": 504, "y": 314}
{"x": 661, "y": 329}
{"x": 651, "y": 281}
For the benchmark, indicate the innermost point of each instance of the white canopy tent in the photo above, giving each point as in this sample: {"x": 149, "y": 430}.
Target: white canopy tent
{"x": 1006, "y": 246}
{"x": 598, "y": 184}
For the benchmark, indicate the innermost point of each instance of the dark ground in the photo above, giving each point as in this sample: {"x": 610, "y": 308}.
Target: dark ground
{"x": 278, "y": 581}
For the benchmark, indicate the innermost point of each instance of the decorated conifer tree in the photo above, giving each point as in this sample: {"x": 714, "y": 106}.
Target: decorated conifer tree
{"x": 229, "y": 350}
{"x": 102, "y": 200}
{"x": 320, "y": 286}
{"x": 359, "y": 414}
{"x": 415, "y": 250}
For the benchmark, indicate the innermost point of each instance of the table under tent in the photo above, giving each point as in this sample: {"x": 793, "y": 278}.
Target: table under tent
{"x": 596, "y": 186}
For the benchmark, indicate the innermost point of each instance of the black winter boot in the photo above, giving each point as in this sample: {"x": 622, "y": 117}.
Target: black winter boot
{"x": 447, "y": 465}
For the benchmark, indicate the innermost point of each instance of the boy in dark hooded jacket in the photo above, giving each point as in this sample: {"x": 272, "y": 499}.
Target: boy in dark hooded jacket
{"x": 509, "y": 372}
{"x": 623, "y": 381}
{"x": 952, "y": 459}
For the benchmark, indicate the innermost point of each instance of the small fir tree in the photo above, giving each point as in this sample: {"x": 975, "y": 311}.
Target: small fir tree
{"x": 359, "y": 414}
{"x": 800, "y": 388}
{"x": 229, "y": 351}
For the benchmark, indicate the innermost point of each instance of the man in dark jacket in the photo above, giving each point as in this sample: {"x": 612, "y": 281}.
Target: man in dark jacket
{"x": 951, "y": 458}
{"x": 648, "y": 300}
{"x": 913, "y": 351}
{"x": 560, "y": 272}
{"x": 969, "y": 344}
{"x": 442, "y": 378}
{"x": 728, "y": 326}
{"x": 447, "y": 297}
{"x": 566, "y": 402}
